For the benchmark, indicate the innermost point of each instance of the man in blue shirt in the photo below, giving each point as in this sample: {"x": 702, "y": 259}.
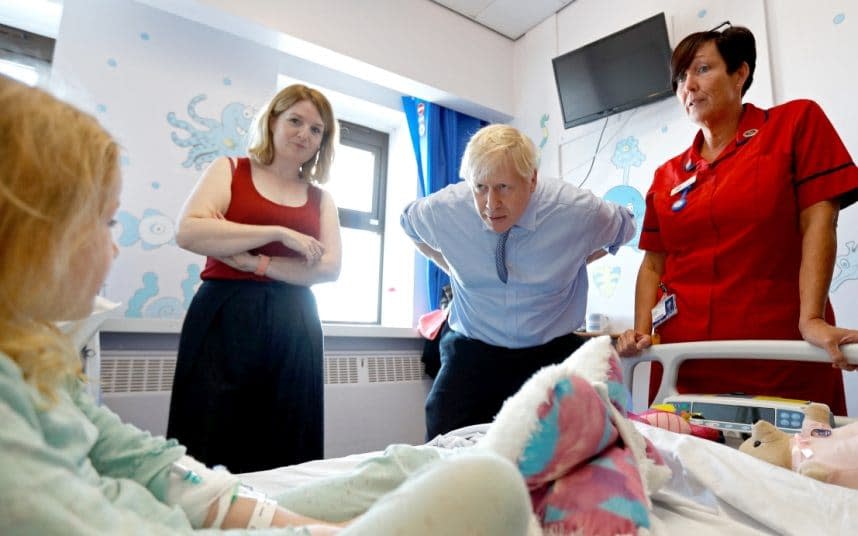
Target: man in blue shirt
{"x": 516, "y": 250}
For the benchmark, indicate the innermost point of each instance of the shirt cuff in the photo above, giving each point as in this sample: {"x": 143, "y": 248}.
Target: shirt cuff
{"x": 619, "y": 240}
{"x": 405, "y": 222}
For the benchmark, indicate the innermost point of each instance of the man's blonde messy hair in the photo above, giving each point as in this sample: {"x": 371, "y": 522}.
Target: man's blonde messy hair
{"x": 491, "y": 147}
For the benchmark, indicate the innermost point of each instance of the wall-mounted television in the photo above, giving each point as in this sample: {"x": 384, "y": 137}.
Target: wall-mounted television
{"x": 626, "y": 69}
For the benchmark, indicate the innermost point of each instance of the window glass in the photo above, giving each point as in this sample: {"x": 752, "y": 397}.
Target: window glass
{"x": 357, "y": 184}
{"x": 354, "y": 296}
{"x": 352, "y": 177}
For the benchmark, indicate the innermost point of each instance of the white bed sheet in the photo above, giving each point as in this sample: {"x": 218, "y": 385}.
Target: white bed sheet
{"x": 714, "y": 489}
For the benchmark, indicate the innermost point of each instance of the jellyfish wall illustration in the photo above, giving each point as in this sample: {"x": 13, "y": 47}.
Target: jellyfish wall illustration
{"x": 626, "y": 154}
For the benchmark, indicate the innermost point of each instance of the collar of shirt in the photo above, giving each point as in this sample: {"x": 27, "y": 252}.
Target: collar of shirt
{"x": 528, "y": 217}
{"x": 750, "y": 123}
{"x": 545, "y": 295}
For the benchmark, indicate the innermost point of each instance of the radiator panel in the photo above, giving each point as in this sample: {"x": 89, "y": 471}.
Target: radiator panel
{"x": 372, "y": 399}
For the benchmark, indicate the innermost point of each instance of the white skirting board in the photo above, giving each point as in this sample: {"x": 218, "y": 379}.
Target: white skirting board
{"x": 372, "y": 399}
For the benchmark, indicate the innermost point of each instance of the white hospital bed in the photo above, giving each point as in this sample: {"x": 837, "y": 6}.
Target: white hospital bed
{"x": 715, "y": 489}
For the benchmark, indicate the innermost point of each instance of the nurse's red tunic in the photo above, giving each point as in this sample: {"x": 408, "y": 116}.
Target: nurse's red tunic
{"x": 733, "y": 252}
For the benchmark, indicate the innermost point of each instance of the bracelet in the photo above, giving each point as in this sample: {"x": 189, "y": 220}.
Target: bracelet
{"x": 263, "y": 514}
{"x": 262, "y": 265}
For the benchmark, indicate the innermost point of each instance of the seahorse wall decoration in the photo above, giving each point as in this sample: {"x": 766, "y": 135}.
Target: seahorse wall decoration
{"x": 848, "y": 265}
{"x": 543, "y": 125}
{"x": 226, "y": 137}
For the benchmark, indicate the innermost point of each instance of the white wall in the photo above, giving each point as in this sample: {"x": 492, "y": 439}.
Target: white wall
{"x": 131, "y": 66}
{"x": 105, "y": 47}
{"x": 416, "y": 47}
{"x": 813, "y": 56}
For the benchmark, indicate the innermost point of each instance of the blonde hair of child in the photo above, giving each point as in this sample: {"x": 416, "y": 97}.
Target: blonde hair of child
{"x": 59, "y": 171}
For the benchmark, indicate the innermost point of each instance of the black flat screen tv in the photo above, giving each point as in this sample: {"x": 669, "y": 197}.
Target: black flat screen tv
{"x": 626, "y": 69}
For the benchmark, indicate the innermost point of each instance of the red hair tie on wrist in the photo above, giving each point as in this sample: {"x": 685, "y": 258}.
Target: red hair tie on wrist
{"x": 262, "y": 265}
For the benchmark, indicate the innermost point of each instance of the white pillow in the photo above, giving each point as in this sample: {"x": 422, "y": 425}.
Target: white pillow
{"x": 81, "y": 331}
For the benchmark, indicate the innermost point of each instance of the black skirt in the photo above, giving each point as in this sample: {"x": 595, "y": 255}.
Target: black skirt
{"x": 248, "y": 388}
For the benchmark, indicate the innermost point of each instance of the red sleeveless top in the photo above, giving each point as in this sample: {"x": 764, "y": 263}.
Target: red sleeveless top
{"x": 248, "y": 206}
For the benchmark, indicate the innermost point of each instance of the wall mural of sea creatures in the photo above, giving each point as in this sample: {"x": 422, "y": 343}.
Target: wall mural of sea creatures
{"x": 848, "y": 265}
{"x": 631, "y": 198}
{"x": 145, "y": 303}
{"x": 543, "y": 125}
{"x": 605, "y": 278}
{"x": 153, "y": 230}
{"x": 627, "y": 154}
{"x": 227, "y": 137}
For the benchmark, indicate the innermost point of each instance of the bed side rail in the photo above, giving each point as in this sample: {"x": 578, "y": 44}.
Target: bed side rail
{"x": 672, "y": 355}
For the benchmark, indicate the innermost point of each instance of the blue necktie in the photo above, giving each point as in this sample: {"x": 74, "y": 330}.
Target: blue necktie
{"x": 500, "y": 256}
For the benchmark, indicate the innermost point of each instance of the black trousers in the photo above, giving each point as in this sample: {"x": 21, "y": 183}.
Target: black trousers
{"x": 248, "y": 389}
{"x": 476, "y": 378}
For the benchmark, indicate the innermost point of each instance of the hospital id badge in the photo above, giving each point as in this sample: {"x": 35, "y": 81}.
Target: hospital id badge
{"x": 664, "y": 310}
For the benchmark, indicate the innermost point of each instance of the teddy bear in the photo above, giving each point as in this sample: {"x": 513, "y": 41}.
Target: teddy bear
{"x": 819, "y": 451}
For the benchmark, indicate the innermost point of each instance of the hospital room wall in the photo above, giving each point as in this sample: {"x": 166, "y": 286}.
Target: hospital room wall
{"x": 193, "y": 59}
{"x": 416, "y": 47}
{"x": 157, "y": 78}
{"x": 804, "y": 51}
{"x": 163, "y": 78}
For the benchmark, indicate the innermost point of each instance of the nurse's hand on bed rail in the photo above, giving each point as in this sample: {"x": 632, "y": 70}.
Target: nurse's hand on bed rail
{"x": 631, "y": 343}
{"x": 830, "y": 338}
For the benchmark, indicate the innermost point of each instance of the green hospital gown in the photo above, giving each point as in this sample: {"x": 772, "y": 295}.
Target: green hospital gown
{"x": 74, "y": 468}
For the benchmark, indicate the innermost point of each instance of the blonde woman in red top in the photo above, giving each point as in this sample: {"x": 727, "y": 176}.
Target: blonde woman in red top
{"x": 249, "y": 378}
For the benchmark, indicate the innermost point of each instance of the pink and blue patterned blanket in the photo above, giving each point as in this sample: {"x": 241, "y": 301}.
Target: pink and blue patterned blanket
{"x": 588, "y": 469}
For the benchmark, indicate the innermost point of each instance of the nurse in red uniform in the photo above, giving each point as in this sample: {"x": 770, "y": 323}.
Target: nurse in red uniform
{"x": 740, "y": 230}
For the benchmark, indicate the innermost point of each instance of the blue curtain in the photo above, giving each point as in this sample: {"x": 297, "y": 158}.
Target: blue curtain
{"x": 439, "y": 136}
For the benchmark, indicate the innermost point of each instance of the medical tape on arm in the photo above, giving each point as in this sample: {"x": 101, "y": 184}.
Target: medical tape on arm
{"x": 194, "y": 488}
{"x": 263, "y": 514}
{"x": 263, "y": 511}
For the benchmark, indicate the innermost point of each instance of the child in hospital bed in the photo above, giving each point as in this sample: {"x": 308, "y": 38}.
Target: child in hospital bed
{"x": 69, "y": 466}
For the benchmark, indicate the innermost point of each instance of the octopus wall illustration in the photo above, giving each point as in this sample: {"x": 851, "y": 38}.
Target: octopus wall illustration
{"x": 226, "y": 137}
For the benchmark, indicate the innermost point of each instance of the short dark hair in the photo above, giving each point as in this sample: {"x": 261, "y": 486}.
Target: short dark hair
{"x": 736, "y": 45}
